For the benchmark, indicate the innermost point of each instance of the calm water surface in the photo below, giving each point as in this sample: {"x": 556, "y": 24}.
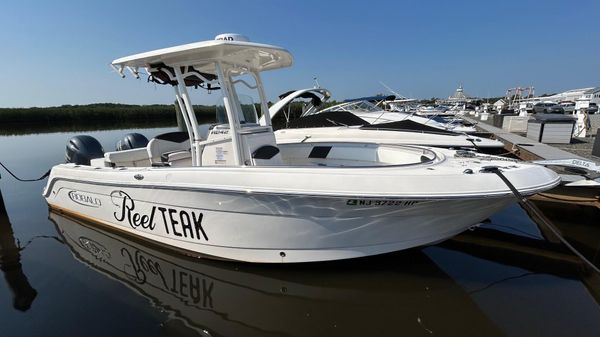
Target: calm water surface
{"x": 64, "y": 277}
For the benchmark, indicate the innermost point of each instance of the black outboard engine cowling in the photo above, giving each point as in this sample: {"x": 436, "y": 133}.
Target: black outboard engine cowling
{"x": 82, "y": 149}
{"x": 132, "y": 141}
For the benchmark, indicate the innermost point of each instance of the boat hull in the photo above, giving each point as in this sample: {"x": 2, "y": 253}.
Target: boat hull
{"x": 271, "y": 228}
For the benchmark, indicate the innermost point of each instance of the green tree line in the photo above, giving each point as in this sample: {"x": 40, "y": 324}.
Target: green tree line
{"x": 97, "y": 112}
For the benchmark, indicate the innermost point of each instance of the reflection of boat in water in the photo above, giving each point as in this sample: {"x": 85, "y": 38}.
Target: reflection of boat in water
{"x": 10, "y": 264}
{"x": 546, "y": 254}
{"x": 386, "y": 295}
{"x": 582, "y": 195}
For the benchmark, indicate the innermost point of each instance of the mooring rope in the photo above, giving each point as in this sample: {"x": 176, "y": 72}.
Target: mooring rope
{"x": 25, "y": 180}
{"x": 534, "y": 210}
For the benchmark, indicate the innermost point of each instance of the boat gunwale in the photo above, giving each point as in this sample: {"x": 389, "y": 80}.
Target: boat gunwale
{"x": 486, "y": 195}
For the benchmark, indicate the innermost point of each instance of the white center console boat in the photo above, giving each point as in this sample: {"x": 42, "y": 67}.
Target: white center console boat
{"x": 232, "y": 192}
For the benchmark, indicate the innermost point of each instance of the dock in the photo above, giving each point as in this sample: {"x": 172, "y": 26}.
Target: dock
{"x": 522, "y": 147}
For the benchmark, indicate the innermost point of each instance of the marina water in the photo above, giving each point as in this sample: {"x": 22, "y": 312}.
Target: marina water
{"x": 66, "y": 277}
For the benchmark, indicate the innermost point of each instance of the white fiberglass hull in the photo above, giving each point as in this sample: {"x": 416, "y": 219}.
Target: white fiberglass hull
{"x": 395, "y": 137}
{"x": 303, "y": 228}
{"x": 178, "y": 208}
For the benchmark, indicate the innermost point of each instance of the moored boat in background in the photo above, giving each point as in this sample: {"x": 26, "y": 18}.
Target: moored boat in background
{"x": 311, "y": 126}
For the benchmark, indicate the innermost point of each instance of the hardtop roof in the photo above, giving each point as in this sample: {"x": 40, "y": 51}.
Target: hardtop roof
{"x": 235, "y": 55}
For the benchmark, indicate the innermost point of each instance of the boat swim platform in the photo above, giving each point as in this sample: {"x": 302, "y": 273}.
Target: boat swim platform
{"x": 522, "y": 147}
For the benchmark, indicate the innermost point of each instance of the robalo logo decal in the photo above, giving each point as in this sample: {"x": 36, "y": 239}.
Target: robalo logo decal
{"x": 84, "y": 199}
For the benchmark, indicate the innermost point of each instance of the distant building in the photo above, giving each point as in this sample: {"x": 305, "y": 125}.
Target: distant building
{"x": 500, "y": 105}
{"x": 458, "y": 98}
{"x": 593, "y": 95}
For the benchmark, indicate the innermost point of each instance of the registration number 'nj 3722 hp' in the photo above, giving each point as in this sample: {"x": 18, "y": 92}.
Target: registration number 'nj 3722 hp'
{"x": 370, "y": 202}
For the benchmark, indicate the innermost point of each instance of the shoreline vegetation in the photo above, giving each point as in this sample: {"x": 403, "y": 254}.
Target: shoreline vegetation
{"x": 97, "y": 112}
{"x": 100, "y": 116}
{"x": 93, "y": 117}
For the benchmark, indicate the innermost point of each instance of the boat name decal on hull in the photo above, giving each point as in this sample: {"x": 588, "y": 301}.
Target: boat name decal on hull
{"x": 181, "y": 223}
{"x": 96, "y": 249}
{"x": 369, "y": 202}
{"x": 84, "y": 199}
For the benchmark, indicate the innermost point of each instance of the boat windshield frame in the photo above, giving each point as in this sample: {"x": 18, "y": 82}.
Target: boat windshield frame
{"x": 322, "y": 94}
{"x": 354, "y": 106}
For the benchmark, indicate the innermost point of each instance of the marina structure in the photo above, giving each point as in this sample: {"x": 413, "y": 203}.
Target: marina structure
{"x": 523, "y": 98}
{"x": 515, "y": 99}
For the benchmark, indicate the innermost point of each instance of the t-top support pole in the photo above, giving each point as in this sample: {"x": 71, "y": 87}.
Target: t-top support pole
{"x": 230, "y": 103}
{"x": 183, "y": 93}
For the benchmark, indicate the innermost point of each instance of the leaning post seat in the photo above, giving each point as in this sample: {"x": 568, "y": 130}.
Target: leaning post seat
{"x": 127, "y": 158}
{"x": 162, "y": 148}
{"x": 262, "y": 149}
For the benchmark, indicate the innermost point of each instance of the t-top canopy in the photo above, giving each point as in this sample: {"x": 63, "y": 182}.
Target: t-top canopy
{"x": 237, "y": 56}
{"x": 372, "y": 98}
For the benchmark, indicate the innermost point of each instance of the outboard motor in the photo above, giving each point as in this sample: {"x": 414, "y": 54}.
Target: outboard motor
{"x": 82, "y": 149}
{"x": 132, "y": 141}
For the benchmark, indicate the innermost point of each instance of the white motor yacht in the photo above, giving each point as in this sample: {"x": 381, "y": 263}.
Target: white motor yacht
{"x": 434, "y": 110}
{"x": 233, "y": 193}
{"x": 376, "y": 115}
{"x": 345, "y": 127}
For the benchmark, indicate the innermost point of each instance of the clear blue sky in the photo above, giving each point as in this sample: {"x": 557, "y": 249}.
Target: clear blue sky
{"x": 57, "y": 52}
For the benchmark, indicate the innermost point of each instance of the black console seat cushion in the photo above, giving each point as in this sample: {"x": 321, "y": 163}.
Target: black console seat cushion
{"x": 408, "y": 125}
{"x": 319, "y": 152}
{"x": 175, "y": 137}
{"x": 265, "y": 152}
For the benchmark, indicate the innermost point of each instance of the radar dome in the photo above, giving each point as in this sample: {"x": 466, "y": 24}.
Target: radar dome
{"x": 232, "y": 37}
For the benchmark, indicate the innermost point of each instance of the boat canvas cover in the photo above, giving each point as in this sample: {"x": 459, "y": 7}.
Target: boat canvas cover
{"x": 408, "y": 125}
{"x": 344, "y": 118}
{"x": 325, "y": 119}
{"x": 372, "y": 98}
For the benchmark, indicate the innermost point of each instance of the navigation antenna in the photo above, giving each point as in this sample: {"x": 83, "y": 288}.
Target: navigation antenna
{"x": 317, "y": 86}
{"x": 400, "y": 96}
